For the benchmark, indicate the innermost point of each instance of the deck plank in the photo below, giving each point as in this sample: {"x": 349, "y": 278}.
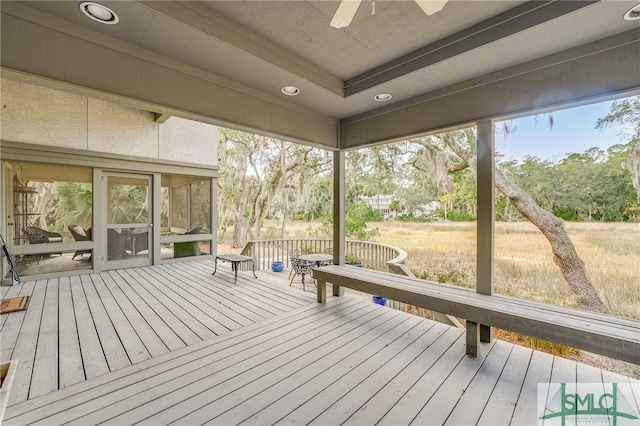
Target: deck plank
{"x": 197, "y": 388}
{"x": 221, "y": 316}
{"x": 230, "y": 307}
{"x": 118, "y": 308}
{"x": 93, "y": 357}
{"x": 157, "y": 336}
{"x": 396, "y": 389}
{"x": 12, "y": 324}
{"x": 26, "y": 344}
{"x": 563, "y": 371}
{"x": 283, "y": 380}
{"x": 538, "y": 374}
{"x": 162, "y": 337}
{"x": 417, "y": 395}
{"x": 272, "y": 292}
{"x": 179, "y": 292}
{"x": 250, "y": 307}
{"x": 502, "y": 402}
{"x": 114, "y": 352}
{"x": 373, "y": 376}
{"x": 71, "y": 369}
{"x": 4, "y": 290}
{"x": 105, "y": 389}
{"x": 8, "y": 292}
{"x": 157, "y": 302}
{"x": 45, "y": 367}
{"x": 226, "y": 350}
{"x": 244, "y": 291}
{"x": 176, "y": 305}
{"x": 445, "y": 398}
{"x": 477, "y": 393}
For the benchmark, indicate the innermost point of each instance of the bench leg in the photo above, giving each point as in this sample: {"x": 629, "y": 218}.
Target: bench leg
{"x": 322, "y": 291}
{"x": 485, "y": 333}
{"x": 473, "y": 338}
{"x": 337, "y": 290}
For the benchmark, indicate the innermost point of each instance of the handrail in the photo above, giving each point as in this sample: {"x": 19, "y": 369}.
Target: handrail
{"x": 374, "y": 255}
{"x": 381, "y": 257}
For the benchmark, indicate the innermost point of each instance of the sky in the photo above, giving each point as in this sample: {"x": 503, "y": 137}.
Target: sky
{"x": 573, "y": 131}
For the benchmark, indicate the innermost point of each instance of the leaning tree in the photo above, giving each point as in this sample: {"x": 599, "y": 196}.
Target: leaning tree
{"x": 437, "y": 151}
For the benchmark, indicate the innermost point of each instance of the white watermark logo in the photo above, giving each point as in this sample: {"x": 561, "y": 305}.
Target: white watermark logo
{"x": 613, "y": 404}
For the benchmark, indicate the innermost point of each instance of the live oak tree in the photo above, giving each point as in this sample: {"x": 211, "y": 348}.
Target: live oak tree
{"x": 463, "y": 144}
{"x": 259, "y": 174}
{"x": 626, "y": 115}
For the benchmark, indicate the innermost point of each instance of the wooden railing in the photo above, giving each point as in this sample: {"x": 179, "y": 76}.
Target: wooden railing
{"x": 380, "y": 257}
{"x": 374, "y": 255}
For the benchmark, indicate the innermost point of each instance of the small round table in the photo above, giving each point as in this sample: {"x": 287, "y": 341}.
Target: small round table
{"x": 317, "y": 257}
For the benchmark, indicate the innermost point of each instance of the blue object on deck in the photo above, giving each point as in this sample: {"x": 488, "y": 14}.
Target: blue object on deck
{"x": 277, "y": 266}
{"x": 379, "y": 300}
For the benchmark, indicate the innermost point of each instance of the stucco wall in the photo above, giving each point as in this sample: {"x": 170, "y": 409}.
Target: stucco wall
{"x": 42, "y": 116}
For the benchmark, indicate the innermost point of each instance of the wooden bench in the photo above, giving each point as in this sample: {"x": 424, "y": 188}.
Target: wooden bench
{"x": 603, "y": 334}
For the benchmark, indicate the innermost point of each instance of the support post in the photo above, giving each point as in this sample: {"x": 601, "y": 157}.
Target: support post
{"x": 339, "y": 213}
{"x": 486, "y": 214}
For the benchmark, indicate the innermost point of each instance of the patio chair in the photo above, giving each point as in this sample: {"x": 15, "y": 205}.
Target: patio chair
{"x": 293, "y": 253}
{"x": 116, "y": 243}
{"x": 40, "y": 236}
{"x": 138, "y": 241}
{"x": 300, "y": 267}
{"x": 190, "y": 248}
{"x": 79, "y": 234}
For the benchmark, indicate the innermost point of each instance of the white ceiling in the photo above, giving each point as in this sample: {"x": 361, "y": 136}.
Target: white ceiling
{"x": 268, "y": 44}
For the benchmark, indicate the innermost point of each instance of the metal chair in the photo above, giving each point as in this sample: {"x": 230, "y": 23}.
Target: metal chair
{"x": 293, "y": 253}
{"x": 300, "y": 267}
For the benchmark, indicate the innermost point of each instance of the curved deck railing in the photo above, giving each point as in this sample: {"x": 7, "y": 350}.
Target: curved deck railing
{"x": 374, "y": 255}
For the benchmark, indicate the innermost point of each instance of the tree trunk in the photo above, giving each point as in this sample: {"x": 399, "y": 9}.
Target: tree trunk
{"x": 564, "y": 252}
{"x": 565, "y": 255}
{"x": 238, "y": 219}
{"x": 237, "y": 232}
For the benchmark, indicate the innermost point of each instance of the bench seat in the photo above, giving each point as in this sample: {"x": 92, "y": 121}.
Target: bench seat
{"x": 603, "y": 334}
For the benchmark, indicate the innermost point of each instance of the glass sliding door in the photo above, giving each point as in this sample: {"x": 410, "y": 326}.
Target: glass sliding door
{"x": 129, "y": 220}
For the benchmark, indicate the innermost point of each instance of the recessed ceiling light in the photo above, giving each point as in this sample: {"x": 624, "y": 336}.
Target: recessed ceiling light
{"x": 382, "y": 97}
{"x": 633, "y": 13}
{"x": 290, "y": 90}
{"x": 99, "y": 13}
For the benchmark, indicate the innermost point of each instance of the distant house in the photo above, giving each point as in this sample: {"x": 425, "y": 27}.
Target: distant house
{"x": 382, "y": 202}
{"x": 379, "y": 202}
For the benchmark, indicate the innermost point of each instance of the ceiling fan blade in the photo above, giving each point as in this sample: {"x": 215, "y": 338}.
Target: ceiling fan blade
{"x": 431, "y": 6}
{"x": 345, "y": 13}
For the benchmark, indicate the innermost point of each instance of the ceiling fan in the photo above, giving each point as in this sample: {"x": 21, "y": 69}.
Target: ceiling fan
{"x": 347, "y": 10}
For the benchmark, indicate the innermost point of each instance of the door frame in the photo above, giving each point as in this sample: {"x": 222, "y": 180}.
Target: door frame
{"x": 100, "y": 210}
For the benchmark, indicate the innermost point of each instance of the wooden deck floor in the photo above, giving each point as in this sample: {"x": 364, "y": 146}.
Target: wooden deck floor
{"x": 80, "y": 327}
{"x": 286, "y": 361}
